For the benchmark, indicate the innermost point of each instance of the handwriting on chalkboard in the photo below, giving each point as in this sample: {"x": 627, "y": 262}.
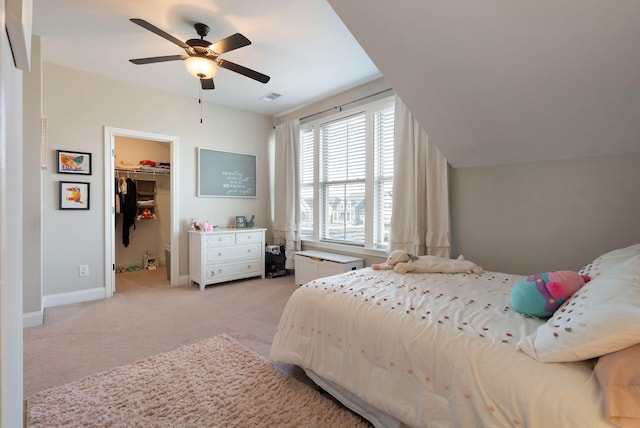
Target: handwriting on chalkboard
{"x": 226, "y": 174}
{"x": 237, "y": 183}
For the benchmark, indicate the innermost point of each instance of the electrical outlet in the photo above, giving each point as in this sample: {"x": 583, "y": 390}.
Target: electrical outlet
{"x": 83, "y": 270}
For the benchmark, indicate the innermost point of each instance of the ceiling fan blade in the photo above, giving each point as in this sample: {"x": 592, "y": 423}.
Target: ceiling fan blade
{"x": 207, "y": 83}
{"x": 151, "y": 60}
{"x": 144, "y": 24}
{"x": 262, "y": 78}
{"x": 230, "y": 43}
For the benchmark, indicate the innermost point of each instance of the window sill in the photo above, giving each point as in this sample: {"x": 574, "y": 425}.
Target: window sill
{"x": 348, "y": 249}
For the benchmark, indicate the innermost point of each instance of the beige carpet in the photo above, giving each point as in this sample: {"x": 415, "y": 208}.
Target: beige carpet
{"x": 145, "y": 317}
{"x": 213, "y": 383}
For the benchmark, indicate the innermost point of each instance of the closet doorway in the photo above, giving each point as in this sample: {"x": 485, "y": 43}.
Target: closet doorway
{"x": 157, "y": 218}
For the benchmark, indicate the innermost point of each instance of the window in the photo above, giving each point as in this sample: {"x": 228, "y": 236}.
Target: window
{"x": 346, "y": 176}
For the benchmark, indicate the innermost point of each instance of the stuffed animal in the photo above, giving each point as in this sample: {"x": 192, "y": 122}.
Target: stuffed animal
{"x": 540, "y": 295}
{"x": 395, "y": 257}
{"x": 402, "y": 262}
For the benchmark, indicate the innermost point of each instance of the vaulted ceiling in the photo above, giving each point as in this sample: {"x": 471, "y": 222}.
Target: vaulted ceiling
{"x": 494, "y": 81}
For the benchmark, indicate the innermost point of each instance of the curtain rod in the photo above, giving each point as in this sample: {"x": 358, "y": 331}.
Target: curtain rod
{"x": 345, "y": 104}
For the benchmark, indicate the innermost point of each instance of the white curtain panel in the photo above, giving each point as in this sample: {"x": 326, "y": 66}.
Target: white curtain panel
{"x": 286, "y": 224}
{"x": 420, "y": 220}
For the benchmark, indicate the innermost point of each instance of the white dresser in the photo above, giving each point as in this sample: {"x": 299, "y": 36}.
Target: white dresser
{"x": 225, "y": 255}
{"x": 312, "y": 265}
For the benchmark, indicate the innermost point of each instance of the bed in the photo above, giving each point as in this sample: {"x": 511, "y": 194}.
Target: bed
{"x": 442, "y": 350}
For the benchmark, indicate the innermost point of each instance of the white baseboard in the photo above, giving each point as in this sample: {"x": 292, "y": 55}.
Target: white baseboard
{"x": 183, "y": 280}
{"x": 73, "y": 297}
{"x": 32, "y": 319}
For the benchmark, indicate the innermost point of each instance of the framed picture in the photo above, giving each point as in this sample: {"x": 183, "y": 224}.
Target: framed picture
{"x": 73, "y": 162}
{"x": 241, "y": 222}
{"x": 74, "y": 195}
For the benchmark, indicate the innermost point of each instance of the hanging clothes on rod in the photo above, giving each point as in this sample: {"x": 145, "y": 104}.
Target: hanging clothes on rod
{"x": 129, "y": 206}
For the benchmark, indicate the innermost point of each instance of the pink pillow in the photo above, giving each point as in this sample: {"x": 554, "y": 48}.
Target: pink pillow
{"x": 619, "y": 377}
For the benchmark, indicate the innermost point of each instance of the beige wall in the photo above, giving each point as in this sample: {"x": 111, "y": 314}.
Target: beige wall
{"x": 541, "y": 216}
{"x": 31, "y": 174}
{"x": 520, "y": 218}
{"x": 79, "y": 105}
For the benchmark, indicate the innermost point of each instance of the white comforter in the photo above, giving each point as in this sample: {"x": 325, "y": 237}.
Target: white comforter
{"x": 433, "y": 350}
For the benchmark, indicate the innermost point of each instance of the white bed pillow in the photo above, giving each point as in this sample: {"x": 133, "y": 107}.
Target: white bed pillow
{"x": 607, "y": 261}
{"x": 600, "y": 318}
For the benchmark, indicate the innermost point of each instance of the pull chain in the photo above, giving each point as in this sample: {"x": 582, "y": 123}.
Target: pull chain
{"x": 200, "y": 101}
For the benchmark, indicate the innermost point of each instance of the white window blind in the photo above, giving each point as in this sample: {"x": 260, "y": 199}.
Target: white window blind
{"x": 346, "y": 176}
{"x": 342, "y": 179}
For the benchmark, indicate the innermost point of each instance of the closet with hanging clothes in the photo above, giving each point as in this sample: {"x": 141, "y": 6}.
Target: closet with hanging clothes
{"x": 143, "y": 202}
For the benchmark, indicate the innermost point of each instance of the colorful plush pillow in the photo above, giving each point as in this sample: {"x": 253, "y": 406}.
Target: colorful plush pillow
{"x": 619, "y": 377}
{"x": 600, "y": 318}
{"x": 607, "y": 261}
{"x": 540, "y": 295}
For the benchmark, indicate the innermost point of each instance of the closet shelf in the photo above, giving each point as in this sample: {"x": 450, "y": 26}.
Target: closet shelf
{"x": 140, "y": 173}
{"x": 141, "y": 217}
{"x": 146, "y": 200}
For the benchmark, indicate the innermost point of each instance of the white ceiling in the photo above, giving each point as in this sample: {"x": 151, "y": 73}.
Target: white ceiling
{"x": 497, "y": 81}
{"x": 302, "y": 45}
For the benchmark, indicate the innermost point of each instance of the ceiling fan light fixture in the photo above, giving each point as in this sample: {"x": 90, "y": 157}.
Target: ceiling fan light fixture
{"x": 200, "y": 67}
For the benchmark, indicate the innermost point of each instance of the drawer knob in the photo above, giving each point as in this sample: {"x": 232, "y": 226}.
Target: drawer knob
{"x": 219, "y": 253}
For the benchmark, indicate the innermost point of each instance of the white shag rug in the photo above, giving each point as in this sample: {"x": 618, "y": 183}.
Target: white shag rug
{"x": 213, "y": 383}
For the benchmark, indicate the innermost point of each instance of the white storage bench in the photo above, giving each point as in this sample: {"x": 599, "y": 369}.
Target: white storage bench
{"x": 312, "y": 265}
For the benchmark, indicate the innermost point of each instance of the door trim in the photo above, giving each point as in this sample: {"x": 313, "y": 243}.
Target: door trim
{"x": 110, "y": 134}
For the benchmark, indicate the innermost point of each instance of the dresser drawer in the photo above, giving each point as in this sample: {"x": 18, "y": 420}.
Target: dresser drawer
{"x": 225, "y": 254}
{"x": 220, "y": 240}
{"x": 248, "y": 237}
{"x": 233, "y": 269}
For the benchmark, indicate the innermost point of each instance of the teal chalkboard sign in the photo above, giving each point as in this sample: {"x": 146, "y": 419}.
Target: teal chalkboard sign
{"x": 226, "y": 174}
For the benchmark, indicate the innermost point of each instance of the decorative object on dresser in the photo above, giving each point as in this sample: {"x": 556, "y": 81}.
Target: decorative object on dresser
{"x": 225, "y": 255}
{"x": 312, "y": 265}
{"x": 241, "y": 222}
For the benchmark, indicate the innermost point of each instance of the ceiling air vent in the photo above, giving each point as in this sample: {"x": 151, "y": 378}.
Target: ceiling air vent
{"x": 270, "y": 97}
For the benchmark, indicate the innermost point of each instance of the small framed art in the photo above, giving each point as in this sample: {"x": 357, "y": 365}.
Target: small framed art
{"x": 74, "y": 195}
{"x": 241, "y": 222}
{"x": 73, "y": 162}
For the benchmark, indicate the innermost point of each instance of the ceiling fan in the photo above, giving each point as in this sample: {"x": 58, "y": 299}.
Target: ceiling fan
{"x": 202, "y": 57}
